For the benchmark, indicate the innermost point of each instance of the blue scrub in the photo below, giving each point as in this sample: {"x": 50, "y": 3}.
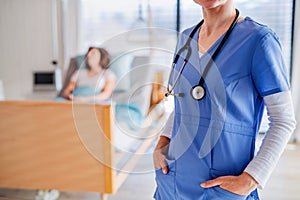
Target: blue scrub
{"x": 216, "y": 136}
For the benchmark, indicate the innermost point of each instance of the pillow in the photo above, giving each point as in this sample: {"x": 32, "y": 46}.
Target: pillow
{"x": 80, "y": 60}
{"x": 121, "y": 66}
{"x": 128, "y": 116}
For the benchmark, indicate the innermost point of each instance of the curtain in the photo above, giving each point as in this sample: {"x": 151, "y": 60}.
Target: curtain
{"x": 296, "y": 69}
{"x": 70, "y": 20}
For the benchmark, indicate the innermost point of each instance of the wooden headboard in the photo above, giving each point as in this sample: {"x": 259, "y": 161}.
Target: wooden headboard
{"x": 56, "y": 145}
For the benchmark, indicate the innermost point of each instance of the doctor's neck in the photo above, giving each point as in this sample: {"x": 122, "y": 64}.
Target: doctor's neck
{"x": 218, "y": 18}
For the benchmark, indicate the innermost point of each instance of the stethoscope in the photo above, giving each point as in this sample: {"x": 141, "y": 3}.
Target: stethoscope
{"x": 198, "y": 91}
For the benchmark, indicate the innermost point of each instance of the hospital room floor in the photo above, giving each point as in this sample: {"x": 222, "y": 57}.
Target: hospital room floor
{"x": 284, "y": 184}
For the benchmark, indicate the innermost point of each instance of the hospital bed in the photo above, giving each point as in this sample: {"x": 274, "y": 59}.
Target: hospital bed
{"x": 73, "y": 146}
{"x": 52, "y": 145}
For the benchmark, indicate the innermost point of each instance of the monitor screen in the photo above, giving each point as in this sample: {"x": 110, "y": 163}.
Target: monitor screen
{"x": 43, "y": 80}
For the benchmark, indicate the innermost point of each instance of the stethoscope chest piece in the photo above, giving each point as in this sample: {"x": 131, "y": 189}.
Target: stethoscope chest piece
{"x": 197, "y": 92}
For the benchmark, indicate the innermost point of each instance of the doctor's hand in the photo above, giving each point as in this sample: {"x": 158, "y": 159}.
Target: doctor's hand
{"x": 243, "y": 184}
{"x": 159, "y": 155}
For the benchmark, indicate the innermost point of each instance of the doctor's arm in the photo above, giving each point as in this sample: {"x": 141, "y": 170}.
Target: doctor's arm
{"x": 161, "y": 149}
{"x": 281, "y": 115}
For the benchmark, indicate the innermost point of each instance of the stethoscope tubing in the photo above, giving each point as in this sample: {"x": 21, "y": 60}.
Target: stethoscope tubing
{"x": 207, "y": 67}
{"x": 187, "y": 57}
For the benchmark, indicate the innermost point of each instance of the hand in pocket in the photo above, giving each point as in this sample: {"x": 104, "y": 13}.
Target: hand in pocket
{"x": 159, "y": 155}
{"x": 243, "y": 184}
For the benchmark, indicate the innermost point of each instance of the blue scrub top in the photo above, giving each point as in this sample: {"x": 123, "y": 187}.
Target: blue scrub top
{"x": 216, "y": 135}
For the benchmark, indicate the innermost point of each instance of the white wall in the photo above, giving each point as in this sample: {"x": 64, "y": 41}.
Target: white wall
{"x": 25, "y": 43}
{"x": 296, "y": 70}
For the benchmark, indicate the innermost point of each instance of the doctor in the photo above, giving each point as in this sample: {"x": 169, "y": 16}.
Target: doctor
{"x": 221, "y": 79}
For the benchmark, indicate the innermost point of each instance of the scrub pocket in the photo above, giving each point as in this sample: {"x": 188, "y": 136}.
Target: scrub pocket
{"x": 217, "y": 193}
{"x": 165, "y": 184}
{"x": 232, "y": 152}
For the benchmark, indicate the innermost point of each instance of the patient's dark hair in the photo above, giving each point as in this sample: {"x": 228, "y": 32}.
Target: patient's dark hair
{"x": 105, "y": 57}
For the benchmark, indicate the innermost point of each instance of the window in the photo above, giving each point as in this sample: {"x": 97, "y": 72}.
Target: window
{"x": 100, "y": 20}
{"x": 278, "y": 15}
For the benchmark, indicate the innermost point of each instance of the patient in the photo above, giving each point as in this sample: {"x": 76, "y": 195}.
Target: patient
{"x": 94, "y": 83}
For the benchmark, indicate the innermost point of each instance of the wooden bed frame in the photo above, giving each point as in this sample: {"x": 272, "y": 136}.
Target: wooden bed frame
{"x": 58, "y": 145}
